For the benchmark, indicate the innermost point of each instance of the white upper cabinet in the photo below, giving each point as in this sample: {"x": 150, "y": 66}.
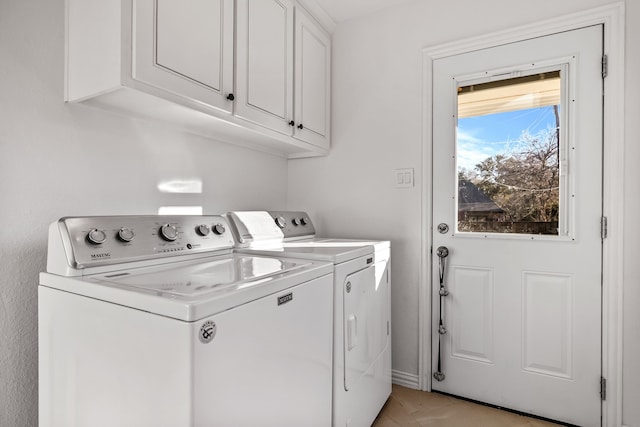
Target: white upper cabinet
{"x": 186, "y": 47}
{"x": 312, "y": 81}
{"x": 205, "y": 68}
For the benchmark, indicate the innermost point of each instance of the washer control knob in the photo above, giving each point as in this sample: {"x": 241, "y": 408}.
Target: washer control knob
{"x": 96, "y": 236}
{"x": 169, "y": 232}
{"x": 304, "y": 221}
{"x": 219, "y": 229}
{"x": 280, "y": 222}
{"x": 296, "y": 221}
{"x": 203, "y": 229}
{"x": 126, "y": 234}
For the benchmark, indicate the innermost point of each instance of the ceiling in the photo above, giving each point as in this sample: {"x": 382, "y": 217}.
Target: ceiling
{"x": 343, "y": 10}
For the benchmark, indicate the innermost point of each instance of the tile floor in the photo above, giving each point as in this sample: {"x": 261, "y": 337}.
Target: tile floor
{"x": 413, "y": 408}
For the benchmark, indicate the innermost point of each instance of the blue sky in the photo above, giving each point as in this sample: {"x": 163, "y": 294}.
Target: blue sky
{"x": 480, "y": 137}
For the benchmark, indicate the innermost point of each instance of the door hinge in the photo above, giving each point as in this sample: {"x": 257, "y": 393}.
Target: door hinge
{"x": 605, "y": 66}
{"x": 603, "y": 388}
{"x": 603, "y": 227}
{"x": 388, "y": 327}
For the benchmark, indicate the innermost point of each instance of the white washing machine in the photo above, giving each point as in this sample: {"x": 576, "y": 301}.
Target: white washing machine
{"x": 362, "y": 304}
{"x": 149, "y": 321}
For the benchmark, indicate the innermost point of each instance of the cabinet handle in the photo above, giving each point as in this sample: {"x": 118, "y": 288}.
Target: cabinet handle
{"x": 291, "y": 123}
{"x": 300, "y": 126}
{"x": 230, "y": 97}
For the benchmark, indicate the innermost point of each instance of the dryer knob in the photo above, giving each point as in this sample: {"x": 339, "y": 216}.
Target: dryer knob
{"x": 169, "y": 232}
{"x": 203, "y": 229}
{"x": 218, "y": 229}
{"x": 96, "y": 236}
{"x": 280, "y": 222}
{"x": 304, "y": 221}
{"x": 297, "y": 221}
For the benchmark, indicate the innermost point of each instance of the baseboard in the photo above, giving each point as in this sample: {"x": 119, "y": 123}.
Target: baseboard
{"x": 405, "y": 380}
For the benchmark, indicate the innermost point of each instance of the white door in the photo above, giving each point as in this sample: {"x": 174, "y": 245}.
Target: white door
{"x": 312, "y": 81}
{"x": 186, "y": 47}
{"x": 517, "y": 179}
{"x": 264, "y": 71}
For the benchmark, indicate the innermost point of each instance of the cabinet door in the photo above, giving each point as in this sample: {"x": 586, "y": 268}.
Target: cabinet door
{"x": 264, "y": 85}
{"x": 186, "y": 48}
{"x": 312, "y": 81}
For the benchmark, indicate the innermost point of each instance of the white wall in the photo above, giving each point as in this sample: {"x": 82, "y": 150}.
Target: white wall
{"x": 58, "y": 159}
{"x": 377, "y": 89}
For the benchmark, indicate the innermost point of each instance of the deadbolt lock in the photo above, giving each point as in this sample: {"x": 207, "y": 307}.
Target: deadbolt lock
{"x": 443, "y": 228}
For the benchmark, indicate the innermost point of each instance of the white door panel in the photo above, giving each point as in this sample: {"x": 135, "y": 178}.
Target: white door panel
{"x": 312, "y": 81}
{"x": 186, "y": 48}
{"x": 184, "y": 28}
{"x": 472, "y": 294}
{"x": 264, "y": 50}
{"x": 523, "y": 317}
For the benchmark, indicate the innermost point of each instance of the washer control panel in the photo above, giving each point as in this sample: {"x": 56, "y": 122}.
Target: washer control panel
{"x": 104, "y": 240}
{"x": 293, "y": 223}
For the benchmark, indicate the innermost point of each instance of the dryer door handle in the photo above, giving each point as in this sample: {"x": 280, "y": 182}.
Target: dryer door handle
{"x": 352, "y": 332}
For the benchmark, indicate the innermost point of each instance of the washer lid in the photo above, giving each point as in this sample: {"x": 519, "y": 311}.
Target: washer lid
{"x": 193, "y": 290}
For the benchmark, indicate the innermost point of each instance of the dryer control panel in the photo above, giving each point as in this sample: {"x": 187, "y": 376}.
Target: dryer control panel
{"x": 106, "y": 240}
{"x": 293, "y": 223}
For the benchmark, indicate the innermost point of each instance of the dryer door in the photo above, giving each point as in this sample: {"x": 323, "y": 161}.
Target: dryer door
{"x": 364, "y": 338}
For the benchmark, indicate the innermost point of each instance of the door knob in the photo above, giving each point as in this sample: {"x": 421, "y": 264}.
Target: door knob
{"x": 442, "y": 252}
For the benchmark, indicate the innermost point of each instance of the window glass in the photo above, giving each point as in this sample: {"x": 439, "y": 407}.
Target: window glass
{"x": 508, "y": 151}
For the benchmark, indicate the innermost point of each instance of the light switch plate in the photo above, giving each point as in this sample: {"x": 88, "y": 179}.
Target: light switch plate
{"x": 404, "y": 178}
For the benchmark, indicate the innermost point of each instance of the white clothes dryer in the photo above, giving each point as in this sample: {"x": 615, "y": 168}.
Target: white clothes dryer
{"x": 149, "y": 321}
{"x": 362, "y": 304}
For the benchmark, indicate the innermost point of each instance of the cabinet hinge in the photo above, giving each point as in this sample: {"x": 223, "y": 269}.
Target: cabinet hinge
{"x": 603, "y": 388}
{"x": 605, "y": 66}
{"x": 603, "y": 227}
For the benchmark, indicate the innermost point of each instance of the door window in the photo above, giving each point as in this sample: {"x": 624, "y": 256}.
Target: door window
{"x": 511, "y": 155}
